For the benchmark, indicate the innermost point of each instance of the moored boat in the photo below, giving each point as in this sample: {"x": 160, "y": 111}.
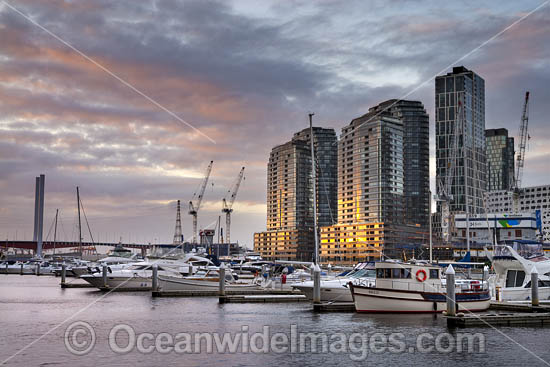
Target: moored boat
{"x": 412, "y": 288}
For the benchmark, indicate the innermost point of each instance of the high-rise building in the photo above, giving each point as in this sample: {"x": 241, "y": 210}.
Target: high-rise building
{"x": 290, "y": 195}
{"x": 461, "y": 90}
{"x": 370, "y": 170}
{"x": 416, "y": 157}
{"x": 500, "y": 159}
{"x": 371, "y": 193}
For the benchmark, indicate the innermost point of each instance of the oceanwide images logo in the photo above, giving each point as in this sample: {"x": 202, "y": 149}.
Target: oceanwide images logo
{"x": 80, "y": 339}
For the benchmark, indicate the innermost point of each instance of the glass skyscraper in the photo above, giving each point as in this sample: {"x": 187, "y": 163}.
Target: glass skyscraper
{"x": 469, "y": 179}
{"x": 290, "y": 195}
{"x": 416, "y": 157}
{"x": 500, "y": 159}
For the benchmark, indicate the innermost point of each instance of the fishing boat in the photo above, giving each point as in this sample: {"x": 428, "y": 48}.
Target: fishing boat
{"x": 412, "y": 288}
{"x": 513, "y": 262}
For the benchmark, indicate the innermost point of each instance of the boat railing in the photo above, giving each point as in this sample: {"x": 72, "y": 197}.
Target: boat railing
{"x": 401, "y": 285}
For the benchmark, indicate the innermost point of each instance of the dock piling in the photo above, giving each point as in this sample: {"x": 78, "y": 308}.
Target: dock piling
{"x": 222, "y": 281}
{"x": 63, "y": 274}
{"x": 37, "y": 271}
{"x": 534, "y": 287}
{"x": 451, "y": 300}
{"x": 21, "y": 269}
{"x": 316, "y": 284}
{"x": 104, "y": 274}
{"x": 154, "y": 283}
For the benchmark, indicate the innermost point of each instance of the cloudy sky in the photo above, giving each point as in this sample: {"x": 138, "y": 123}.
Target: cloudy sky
{"x": 229, "y": 80}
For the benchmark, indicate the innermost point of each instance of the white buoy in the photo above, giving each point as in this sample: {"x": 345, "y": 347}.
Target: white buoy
{"x": 451, "y": 297}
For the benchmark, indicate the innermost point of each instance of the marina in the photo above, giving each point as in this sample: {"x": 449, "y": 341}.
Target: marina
{"x": 41, "y": 298}
{"x": 274, "y": 183}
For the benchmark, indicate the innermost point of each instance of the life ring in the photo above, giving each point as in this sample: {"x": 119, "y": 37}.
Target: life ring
{"x": 423, "y": 277}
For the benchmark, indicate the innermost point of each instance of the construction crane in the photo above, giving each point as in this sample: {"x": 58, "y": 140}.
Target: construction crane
{"x": 520, "y": 161}
{"x": 195, "y": 206}
{"x": 444, "y": 194}
{"x": 227, "y": 206}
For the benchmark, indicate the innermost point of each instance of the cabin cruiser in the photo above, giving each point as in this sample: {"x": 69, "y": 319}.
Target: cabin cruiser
{"x": 138, "y": 276}
{"x": 412, "y": 288}
{"x": 206, "y": 280}
{"x": 337, "y": 289}
{"x": 513, "y": 262}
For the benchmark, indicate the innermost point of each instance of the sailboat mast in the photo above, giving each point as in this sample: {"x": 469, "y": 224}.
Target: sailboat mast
{"x": 55, "y": 230}
{"x": 314, "y": 184}
{"x": 79, "y": 223}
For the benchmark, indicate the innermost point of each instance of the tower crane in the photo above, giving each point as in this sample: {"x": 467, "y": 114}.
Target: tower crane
{"x": 227, "y": 205}
{"x": 444, "y": 194}
{"x": 523, "y": 136}
{"x": 195, "y": 206}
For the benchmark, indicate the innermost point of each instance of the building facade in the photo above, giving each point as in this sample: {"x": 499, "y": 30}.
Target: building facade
{"x": 290, "y": 222}
{"x": 500, "y": 159}
{"x": 531, "y": 199}
{"x": 416, "y": 157}
{"x": 461, "y": 90}
{"x": 372, "y": 204}
{"x": 485, "y": 228}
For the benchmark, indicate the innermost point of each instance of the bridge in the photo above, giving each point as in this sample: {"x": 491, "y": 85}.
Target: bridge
{"x": 50, "y": 245}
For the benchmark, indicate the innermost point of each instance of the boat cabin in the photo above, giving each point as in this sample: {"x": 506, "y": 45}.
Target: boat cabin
{"x": 408, "y": 277}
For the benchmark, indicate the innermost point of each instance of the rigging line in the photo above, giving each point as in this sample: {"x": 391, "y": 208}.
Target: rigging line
{"x": 63, "y": 228}
{"x": 50, "y": 230}
{"x": 86, "y": 219}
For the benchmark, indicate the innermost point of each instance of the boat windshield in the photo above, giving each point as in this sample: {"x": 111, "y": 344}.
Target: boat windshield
{"x": 363, "y": 273}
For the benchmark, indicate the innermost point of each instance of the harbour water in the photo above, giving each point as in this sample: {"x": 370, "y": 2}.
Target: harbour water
{"x": 36, "y": 314}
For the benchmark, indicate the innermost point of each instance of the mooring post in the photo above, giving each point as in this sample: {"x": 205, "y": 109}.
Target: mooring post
{"x": 21, "y": 269}
{"x": 451, "y": 300}
{"x": 534, "y": 287}
{"x": 63, "y": 273}
{"x": 485, "y": 277}
{"x": 104, "y": 274}
{"x": 38, "y": 269}
{"x": 316, "y": 284}
{"x": 7, "y": 267}
{"x": 222, "y": 281}
{"x": 154, "y": 283}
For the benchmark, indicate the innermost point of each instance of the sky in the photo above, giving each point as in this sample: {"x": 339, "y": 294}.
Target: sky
{"x": 130, "y": 100}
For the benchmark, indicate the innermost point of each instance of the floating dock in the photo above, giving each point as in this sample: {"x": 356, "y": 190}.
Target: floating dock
{"x": 216, "y": 293}
{"x": 519, "y": 307}
{"x": 265, "y": 298}
{"x": 76, "y": 285}
{"x": 334, "y": 307}
{"x": 502, "y": 319}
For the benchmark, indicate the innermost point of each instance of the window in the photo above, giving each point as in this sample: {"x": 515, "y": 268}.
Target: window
{"x": 396, "y": 273}
{"x": 518, "y": 232}
{"x": 515, "y": 278}
{"x": 434, "y": 273}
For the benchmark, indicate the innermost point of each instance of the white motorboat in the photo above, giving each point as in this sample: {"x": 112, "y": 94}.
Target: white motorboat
{"x": 513, "y": 263}
{"x": 137, "y": 276}
{"x": 202, "y": 281}
{"x": 337, "y": 289}
{"x": 412, "y": 288}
